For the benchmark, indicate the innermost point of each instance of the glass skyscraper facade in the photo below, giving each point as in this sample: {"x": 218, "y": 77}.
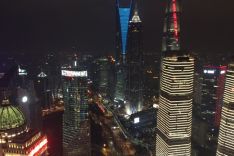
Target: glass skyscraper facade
{"x": 212, "y": 94}
{"x": 75, "y": 87}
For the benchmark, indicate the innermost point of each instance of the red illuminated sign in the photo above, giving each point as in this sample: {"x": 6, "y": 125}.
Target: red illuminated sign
{"x": 38, "y": 147}
{"x": 175, "y": 18}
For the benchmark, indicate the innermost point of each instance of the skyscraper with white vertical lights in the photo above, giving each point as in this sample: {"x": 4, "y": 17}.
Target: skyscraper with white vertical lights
{"x": 226, "y": 131}
{"x": 176, "y": 89}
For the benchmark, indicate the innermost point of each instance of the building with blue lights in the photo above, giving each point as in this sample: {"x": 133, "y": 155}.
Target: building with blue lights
{"x": 129, "y": 55}
{"x": 123, "y": 12}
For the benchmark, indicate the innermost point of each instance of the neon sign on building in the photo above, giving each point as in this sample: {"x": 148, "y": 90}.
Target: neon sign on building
{"x": 68, "y": 73}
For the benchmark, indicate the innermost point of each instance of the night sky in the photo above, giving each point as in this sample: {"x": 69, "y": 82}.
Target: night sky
{"x": 36, "y": 26}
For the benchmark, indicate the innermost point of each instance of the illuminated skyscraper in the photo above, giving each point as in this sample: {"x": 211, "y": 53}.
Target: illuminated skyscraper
{"x": 171, "y": 30}
{"x": 76, "y": 109}
{"x": 15, "y": 137}
{"x": 123, "y": 11}
{"x": 135, "y": 62}
{"x": 226, "y": 131}
{"x": 212, "y": 94}
{"x": 176, "y": 89}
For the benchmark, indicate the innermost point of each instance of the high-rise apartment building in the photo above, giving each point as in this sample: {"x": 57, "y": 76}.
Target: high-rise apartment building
{"x": 174, "y": 118}
{"x": 226, "y": 131}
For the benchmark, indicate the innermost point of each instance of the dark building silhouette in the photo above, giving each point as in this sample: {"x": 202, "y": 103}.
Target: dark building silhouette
{"x": 135, "y": 62}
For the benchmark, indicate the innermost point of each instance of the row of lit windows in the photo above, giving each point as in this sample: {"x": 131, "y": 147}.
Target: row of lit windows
{"x": 163, "y": 149}
{"x": 175, "y": 117}
{"x": 226, "y": 132}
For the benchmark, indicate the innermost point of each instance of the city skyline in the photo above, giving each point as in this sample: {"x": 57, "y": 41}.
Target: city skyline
{"x": 116, "y": 77}
{"x": 48, "y": 25}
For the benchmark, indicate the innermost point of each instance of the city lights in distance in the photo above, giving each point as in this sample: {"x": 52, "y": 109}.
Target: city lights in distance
{"x": 136, "y": 120}
{"x": 69, "y": 73}
{"x": 22, "y": 71}
{"x": 155, "y": 106}
{"x": 222, "y": 72}
{"x": 209, "y": 71}
{"x": 24, "y": 99}
{"x": 42, "y": 75}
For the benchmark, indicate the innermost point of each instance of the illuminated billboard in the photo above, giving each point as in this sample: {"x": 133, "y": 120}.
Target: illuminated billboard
{"x": 68, "y": 73}
{"x": 209, "y": 71}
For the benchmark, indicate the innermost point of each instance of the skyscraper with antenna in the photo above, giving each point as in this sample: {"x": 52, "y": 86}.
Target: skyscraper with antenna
{"x": 171, "y": 29}
{"x": 134, "y": 61}
{"x": 176, "y": 88}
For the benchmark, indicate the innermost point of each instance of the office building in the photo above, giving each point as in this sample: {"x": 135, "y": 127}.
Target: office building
{"x": 135, "y": 62}
{"x": 104, "y": 76}
{"x": 123, "y": 12}
{"x": 226, "y": 135}
{"x": 75, "y": 117}
{"x": 174, "y": 118}
{"x": 212, "y": 94}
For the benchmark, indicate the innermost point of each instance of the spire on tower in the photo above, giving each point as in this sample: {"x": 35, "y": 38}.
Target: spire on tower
{"x": 171, "y": 38}
{"x": 135, "y": 18}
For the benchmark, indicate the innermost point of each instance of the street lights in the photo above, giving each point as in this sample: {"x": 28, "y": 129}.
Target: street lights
{"x": 24, "y": 99}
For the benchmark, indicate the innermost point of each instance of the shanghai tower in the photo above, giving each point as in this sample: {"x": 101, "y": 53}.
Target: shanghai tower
{"x": 176, "y": 88}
